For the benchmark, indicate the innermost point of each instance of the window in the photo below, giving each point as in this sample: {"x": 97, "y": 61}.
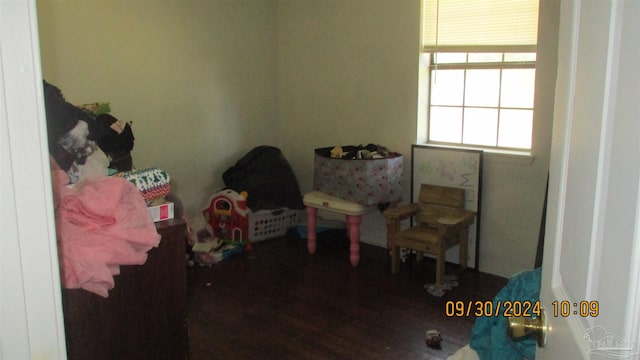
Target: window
{"x": 482, "y": 99}
{"x": 481, "y": 72}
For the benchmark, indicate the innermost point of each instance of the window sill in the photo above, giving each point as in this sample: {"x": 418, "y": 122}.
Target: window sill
{"x": 522, "y": 158}
{"x": 508, "y": 157}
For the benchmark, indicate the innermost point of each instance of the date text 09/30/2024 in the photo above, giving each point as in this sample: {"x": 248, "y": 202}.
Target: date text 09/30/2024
{"x": 520, "y": 308}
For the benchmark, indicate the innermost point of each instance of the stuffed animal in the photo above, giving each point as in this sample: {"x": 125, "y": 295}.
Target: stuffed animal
{"x": 96, "y": 108}
{"x": 337, "y": 152}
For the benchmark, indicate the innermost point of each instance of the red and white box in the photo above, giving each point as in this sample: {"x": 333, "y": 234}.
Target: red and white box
{"x": 161, "y": 211}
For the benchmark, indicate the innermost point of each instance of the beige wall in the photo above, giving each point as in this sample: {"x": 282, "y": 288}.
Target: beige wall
{"x": 196, "y": 78}
{"x": 347, "y": 75}
{"x": 205, "y": 81}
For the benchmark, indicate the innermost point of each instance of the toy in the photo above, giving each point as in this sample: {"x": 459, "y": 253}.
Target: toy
{"x": 228, "y": 216}
{"x": 96, "y": 108}
{"x": 434, "y": 339}
{"x": 207, "y": 250}
{"x": 337, "y": 152}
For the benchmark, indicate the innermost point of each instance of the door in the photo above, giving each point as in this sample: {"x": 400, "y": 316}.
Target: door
{"x": 592, "y": 248}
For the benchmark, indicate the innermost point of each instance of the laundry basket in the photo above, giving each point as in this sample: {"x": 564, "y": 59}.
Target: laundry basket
{"x": 267, "y": 224}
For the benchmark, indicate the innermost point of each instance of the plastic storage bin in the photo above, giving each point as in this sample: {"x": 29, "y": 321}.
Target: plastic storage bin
{"x": 267, "y": 224}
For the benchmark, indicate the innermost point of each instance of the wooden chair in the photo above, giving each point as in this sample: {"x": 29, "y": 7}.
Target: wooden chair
{"x": 441, "y": 222}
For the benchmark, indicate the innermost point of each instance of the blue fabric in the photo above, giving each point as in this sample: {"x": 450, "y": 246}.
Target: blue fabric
{"x": 489, "y": 334}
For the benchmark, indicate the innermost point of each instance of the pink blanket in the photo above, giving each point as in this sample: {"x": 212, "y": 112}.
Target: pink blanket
{"x": 101, "y": 223}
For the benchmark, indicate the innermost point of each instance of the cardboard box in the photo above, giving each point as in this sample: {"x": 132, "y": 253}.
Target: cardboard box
{"x": 161, "y": 211}
{"x": 366, "y": 182}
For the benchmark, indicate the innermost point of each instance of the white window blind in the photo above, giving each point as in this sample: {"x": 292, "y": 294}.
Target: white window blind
{"x": 479, "y": 25}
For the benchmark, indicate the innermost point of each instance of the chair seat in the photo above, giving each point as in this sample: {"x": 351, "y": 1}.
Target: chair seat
{"x": 422, "y": 238}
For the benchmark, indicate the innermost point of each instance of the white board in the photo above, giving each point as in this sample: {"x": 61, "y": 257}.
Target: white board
{"x": 456, "y": 168}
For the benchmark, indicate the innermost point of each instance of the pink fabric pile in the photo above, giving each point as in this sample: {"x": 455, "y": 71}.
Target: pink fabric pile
{"x": 102, "y": 223}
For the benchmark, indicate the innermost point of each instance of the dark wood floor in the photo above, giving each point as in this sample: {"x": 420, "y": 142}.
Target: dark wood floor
{"x": 282, "y": 303}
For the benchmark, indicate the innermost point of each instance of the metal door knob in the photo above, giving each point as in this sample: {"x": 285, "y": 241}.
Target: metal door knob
{"x": 518, "y": 326}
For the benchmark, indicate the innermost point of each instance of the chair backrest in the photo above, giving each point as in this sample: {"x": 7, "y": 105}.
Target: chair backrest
{"x": 441, "y": 195}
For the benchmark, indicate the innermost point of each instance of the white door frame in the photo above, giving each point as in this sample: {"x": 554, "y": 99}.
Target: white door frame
{"x": 31, "y": 321}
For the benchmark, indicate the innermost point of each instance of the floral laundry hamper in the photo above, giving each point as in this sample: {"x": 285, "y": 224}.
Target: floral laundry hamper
{"x": 366, "y": 182}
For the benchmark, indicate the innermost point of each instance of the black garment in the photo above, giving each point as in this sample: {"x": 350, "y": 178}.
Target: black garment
{"x": 116, "y": 145}
{"x": 62, "y": 117}
{"x": 267, "y": 177}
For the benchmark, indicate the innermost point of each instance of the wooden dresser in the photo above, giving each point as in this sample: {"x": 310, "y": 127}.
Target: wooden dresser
{"x": 145, "y": 315}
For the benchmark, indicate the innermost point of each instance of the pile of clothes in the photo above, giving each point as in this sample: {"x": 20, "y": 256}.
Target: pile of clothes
{"x": 86, "y": 141}
{"x": 102, "y": 221}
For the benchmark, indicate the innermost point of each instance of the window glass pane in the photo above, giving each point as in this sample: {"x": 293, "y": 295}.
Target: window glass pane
{"x": 450, "y": 58}
{"x": 445, "y": 124}
{"x": 447, "y": 87}
{"x": 482, "y": 87}
{"x": 485, "y": 57}
{"x": 515, "y": 128}
{"x": 518, "y": 57}
{"x": 518, "y": 88}
{"x": 480, "y": 126}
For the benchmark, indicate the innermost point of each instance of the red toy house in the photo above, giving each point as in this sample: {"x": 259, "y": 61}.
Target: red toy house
{"x": 228, "y": 216}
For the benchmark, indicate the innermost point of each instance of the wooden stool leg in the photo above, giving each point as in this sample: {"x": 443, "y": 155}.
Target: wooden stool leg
{"x": 353, "y": 222}
{"x": 395, "y": 259}
{"x": 392, "y": 227}
{"x": 464, "y": 245}
{"x": 440, "y": 261}
{"x": 311, "y": 229}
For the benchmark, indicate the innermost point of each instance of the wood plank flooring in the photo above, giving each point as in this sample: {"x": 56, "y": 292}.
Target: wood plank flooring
{"x": 279, "y": 302}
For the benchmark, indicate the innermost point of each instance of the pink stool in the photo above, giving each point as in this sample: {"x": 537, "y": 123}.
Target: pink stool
{"x": 317, "y": 200}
